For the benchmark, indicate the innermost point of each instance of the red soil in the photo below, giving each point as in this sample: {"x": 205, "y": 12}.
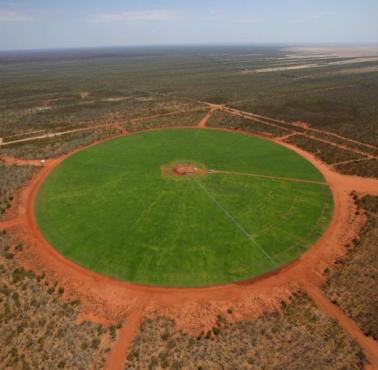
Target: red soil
{"x": 121, "y": 128}
{"x": 285, "y": 137}
{"x": 9, "y": 223}
{"x": 188, "y": 169}
{"x": 184, "y": 169}
{"x": 301, "y": 124}
{"x": 205, "y": 119}
{"x": 194, "y": 310}
{"x": 118, "y": 353}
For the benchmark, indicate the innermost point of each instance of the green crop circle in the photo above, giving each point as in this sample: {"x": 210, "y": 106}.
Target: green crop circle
{"x": 111, "y": 208}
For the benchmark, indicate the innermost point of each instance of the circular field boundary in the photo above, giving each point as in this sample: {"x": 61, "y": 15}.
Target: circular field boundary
{"x": 278, "y": 267}
{"x": 107, "y": 298}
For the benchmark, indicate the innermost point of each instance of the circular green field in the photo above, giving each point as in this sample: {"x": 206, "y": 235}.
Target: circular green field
{"x": 117, "y": 208}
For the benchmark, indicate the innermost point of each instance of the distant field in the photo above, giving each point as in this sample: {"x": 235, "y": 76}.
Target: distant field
{"x": 110, "y": 209}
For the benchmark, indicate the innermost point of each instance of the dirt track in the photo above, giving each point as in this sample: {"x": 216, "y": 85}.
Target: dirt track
{"x": 119, "y": 352}
{"x": 367, "y": 343}
{"x": 12, "y": 161}
{"x": 205, "y": 119}
{"x": 4, "y": 225}
{"x": 165, "y": 114}
{"x": 292, "y": 127}
{"x": 106, "y": 299}
{"x": 51, "y": 135}
{"x": 349, "y": 161}
{"x": 8, "y": 159}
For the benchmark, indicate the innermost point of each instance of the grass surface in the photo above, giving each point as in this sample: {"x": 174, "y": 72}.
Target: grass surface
{"x": 109, "y": 208}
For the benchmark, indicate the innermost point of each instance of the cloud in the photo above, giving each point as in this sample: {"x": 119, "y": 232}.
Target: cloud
{"x": 250, "y": 20}
{"x": 214, "y": 16}
{"x": 312, "y": 18}
{"x": 136, "y": 16}
{"x": 11, "y": 16}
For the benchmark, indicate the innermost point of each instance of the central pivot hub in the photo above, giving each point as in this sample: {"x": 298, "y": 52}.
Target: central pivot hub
{"x": 185, "y": 169}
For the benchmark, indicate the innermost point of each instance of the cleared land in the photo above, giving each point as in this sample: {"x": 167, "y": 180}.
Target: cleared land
{"x": 137, "y": 224}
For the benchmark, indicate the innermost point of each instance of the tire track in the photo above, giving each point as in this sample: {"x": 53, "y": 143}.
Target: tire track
{"x": 291, "y": 179}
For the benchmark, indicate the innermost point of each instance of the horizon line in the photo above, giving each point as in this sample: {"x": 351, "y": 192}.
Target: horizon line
{"x": 255, "y": 43}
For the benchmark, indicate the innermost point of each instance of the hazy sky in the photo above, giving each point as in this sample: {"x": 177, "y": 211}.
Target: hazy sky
{"x": 74, "y": 23}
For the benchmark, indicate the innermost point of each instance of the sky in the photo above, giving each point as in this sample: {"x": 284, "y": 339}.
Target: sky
{"x": 35, "y": 24}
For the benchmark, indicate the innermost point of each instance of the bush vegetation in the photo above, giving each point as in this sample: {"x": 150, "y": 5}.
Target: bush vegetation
{"x": 353, "y": 283}
{"x": 71, "y": 91}
{"x": 298, "y": 337}
{"x": 348, "y": 108}
{"x": 226, "y": 120}
{"x": 58, "y": 145}
{"x": 179, "y": 119}
{"x": 11, "y": 179}
{"x": 326, "y": 152}
{"x": 368, "y": 168}
{"x": 38, "y": 330}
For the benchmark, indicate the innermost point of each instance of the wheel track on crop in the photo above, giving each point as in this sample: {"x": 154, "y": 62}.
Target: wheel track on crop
{"x": 278, "y": 178}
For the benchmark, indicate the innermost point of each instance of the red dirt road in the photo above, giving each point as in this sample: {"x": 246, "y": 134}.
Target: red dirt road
{"x": 119, "y": 351}
{"x": 369, "y": 345}
{"x": 205, "y": 119}
{"x": 194, "y": 310}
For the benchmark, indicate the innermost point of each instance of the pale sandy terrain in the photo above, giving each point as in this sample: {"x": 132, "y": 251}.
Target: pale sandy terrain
{"x": 297, "y": 57}
{"x": 338, "y": 51}
{"x": 290, "y": 66}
